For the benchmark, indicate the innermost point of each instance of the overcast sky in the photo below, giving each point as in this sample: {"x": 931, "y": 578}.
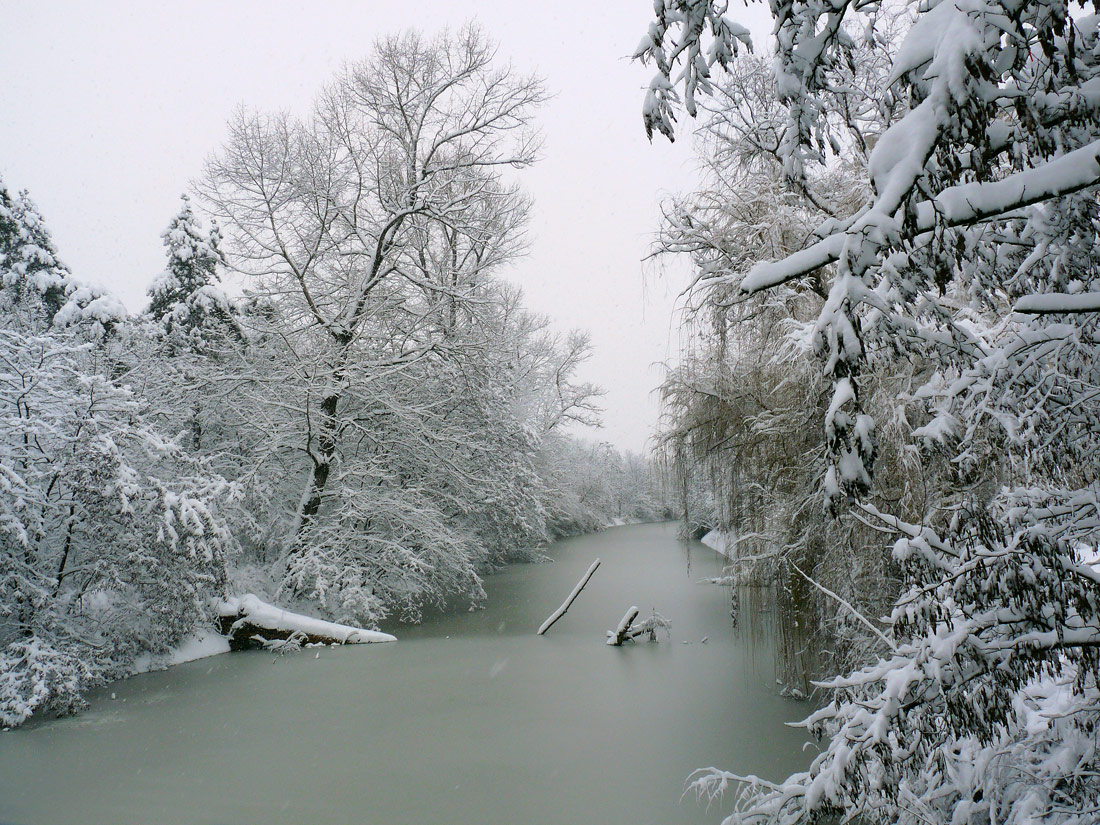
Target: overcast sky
{"x": 109, "y": 109}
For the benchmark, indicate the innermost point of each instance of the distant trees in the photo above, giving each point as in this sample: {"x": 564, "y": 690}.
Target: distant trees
{"x": 593, "y": 484}
{"x": 952, "y": 312}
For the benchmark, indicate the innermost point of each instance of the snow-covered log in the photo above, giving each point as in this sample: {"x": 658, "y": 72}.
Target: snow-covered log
{"x": 629, "y": 632}
{"x": 557, "y": 614}
{"x": 247, "y": 622}
{"x": 619, "y": 635}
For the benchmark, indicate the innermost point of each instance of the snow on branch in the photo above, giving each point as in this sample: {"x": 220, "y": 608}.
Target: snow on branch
{"x": 960, "y": 205}
{"x": 1055, "y": 303}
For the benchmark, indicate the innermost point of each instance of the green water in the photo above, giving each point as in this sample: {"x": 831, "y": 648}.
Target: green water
{"x": 470, "y": 718}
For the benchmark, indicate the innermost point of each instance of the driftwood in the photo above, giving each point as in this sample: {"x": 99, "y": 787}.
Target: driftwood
{"x": 630, "y": 632}
{"x": 557, "y": 614}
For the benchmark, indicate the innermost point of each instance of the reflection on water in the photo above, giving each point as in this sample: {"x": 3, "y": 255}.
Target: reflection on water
{"x": 781, "y": 621}
{"x": 470, "y": 718}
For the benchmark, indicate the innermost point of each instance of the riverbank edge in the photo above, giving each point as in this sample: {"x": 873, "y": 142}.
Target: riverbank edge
{"x": 207, "y": 642}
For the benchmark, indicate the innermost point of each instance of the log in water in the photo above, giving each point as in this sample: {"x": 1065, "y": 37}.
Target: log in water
{"x": 572, "y": 597}
{"x": 469, "y": 718}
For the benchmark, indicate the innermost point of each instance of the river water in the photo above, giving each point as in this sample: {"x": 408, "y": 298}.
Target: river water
{"x": 470, "y": 718}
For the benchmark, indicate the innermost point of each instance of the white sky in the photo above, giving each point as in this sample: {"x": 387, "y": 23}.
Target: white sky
{"x": 109, "y": 109}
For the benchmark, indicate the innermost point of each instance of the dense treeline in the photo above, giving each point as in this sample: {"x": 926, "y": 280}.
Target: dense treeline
{"x": 374, "y": 423}
{"x": 889, "y": 404}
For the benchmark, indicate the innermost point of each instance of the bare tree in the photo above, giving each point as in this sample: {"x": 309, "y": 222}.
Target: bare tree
{"x": 366, "y": 224}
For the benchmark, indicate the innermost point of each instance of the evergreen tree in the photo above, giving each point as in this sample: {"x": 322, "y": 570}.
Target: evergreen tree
{"x": 111, "y": 541}
{"x": 32, "y": 276}
{"x": 36, "y": 289}
{"x": 187, "y": 296}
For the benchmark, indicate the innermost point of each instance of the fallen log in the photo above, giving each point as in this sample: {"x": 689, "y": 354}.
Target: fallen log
{"x": 619, "y": 635}
{"x": 629, "y": 632}
{"x": 557, "y": 614}
{"x": 247, "y": 622}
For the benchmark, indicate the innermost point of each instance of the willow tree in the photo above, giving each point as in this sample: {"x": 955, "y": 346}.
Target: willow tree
{"x": 974, "y": 253}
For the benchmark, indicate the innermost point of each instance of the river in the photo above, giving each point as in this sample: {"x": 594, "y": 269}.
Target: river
{"x": 470, "y": 718}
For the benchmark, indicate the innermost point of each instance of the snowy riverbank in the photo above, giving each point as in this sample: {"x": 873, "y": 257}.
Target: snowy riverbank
{"x": 257, "y": 613}
{"x": 251, "y": 613}
{"x": 719, "y": 541}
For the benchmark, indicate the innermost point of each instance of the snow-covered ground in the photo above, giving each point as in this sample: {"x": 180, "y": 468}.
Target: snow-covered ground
{"x": 622, "y": 522}
{"x": 199, "y": 645}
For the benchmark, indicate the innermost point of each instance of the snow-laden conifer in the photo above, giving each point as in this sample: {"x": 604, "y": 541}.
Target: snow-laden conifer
{"x": 112, "y": 539}
{"x": 186, "y": 300}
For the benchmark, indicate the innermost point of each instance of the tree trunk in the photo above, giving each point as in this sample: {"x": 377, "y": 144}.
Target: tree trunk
{"x": 322, "y": 464}
{"x": 196, "y": 427}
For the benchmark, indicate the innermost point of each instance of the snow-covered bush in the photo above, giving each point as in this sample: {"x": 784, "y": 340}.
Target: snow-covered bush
{"x": 111, "y": 540}
{"x": 111, "y": 544}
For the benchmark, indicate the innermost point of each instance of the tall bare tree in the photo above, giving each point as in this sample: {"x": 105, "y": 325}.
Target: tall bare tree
{"x": 363, "y": 223}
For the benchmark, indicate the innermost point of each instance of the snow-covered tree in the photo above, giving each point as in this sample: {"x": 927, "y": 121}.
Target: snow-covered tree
{"x": 36, "y": 288}
{"x": 974, "y": 257}
{"x": 367, "y": 233}
{"x": 186, "y": 299}
{"x": 734, "y": 438}
{"x": 32, "y": 273}
{"x": 111, "y": 537}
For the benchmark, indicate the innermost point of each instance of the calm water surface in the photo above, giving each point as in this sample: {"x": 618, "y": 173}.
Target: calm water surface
{"x": 470, "y": 718}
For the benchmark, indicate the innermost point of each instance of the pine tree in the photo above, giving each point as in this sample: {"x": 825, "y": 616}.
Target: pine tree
{"x": 32, "y": 276}
{"x": 187, "y": 296}
{"x": 35, "y": 286}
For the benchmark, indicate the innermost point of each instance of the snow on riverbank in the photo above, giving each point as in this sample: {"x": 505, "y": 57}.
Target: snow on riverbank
{"x": 623, "y": 522}
{"x": 719, "y": 541}
{"x": 199, "y": 645}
